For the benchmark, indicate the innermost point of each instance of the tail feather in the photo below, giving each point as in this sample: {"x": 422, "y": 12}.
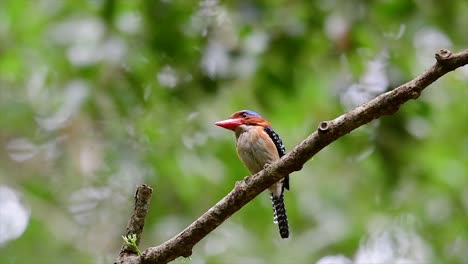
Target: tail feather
{"x": 279, "y": 215}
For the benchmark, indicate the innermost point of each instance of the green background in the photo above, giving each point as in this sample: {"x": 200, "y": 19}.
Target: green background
{"x": 99, "y": 96}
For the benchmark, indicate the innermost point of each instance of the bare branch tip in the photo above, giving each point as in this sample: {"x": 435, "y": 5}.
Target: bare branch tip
{"x": 443, "y": 55}
{"x": 143, "y": 190}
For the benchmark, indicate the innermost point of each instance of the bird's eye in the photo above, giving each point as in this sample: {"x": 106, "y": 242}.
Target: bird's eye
{"x": 244, "y": 115}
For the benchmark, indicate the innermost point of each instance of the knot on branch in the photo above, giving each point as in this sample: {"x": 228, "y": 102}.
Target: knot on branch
{"x": 324, "y": 127}
{"x": 415, "y": 94}
{"x": 443, "y": 55}
{"x": 187, "y": 253}
{"x": 242, "y": 183}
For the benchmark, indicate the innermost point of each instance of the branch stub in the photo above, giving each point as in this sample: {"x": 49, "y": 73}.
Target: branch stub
{"x": 324, "y": 127}
{"x": 443, "y": 55}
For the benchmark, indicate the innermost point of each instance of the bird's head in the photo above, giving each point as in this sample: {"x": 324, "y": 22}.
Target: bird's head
{"x": 244, "y": 117}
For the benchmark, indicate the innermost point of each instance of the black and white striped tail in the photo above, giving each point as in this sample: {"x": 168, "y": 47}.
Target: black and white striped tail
{"x": 279, "y": 215}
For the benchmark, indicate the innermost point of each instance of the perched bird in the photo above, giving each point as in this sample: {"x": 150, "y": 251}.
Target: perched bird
{"x": 257, "y": 145}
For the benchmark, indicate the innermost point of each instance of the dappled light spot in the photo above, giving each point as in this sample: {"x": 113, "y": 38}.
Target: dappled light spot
{"x": 418, "y": 127}
{"x": 373, "y": 82}
{"x": 21, "y": 149}
{"x": 129, "y": 22}
{"x": 215, "y": 62}
{"x": 336, "y": 259}
{"x": 14, "y": 216}
{"x": 393, "y": 244}
{"x": 70, "y": 100}
{"x": 167, "y": 77}
{"x": 84, "y": 202}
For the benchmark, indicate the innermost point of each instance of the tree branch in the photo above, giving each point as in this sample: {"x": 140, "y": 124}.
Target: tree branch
{"x": 135, "y": 225}
{"x": 327, "y": 132}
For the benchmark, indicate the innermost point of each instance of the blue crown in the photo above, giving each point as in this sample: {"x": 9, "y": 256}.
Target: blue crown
{"x": 252, "y": 113}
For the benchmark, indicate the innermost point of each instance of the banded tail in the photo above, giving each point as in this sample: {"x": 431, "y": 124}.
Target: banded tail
{"x": 279, "y": 215}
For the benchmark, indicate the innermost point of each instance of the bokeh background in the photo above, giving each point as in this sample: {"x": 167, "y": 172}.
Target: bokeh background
{"x": 97, "y": 96}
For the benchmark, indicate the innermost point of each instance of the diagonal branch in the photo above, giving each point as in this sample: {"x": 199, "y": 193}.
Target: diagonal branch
{"x": 327, "y": 132}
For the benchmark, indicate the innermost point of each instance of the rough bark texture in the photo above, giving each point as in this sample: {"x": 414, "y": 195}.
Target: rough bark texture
{"x": 328, "y": 131}
{"x": 135, "y": 224}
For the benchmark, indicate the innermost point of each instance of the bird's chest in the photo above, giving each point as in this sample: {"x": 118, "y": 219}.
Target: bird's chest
{"x": 254, "y": 150}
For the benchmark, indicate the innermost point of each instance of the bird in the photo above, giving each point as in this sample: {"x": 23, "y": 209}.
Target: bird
{"x": 257, "y": 145}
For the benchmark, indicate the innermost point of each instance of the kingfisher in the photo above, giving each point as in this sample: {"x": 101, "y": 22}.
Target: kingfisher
{"x": 257, "y": 145}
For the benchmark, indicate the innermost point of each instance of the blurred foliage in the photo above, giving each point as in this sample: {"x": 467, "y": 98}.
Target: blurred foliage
{"x": 98, "y": 96}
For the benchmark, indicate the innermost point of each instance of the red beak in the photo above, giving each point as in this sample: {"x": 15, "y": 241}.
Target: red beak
{"x": 230, "y": 124}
